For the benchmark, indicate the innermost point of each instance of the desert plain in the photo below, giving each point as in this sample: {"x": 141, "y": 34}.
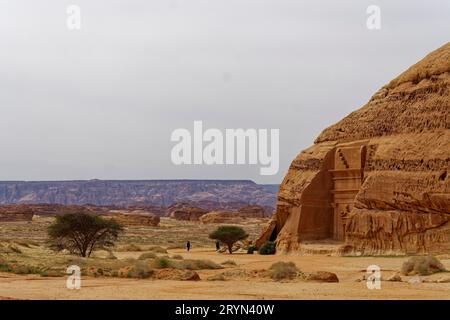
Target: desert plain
{"x": 233, "y": 276}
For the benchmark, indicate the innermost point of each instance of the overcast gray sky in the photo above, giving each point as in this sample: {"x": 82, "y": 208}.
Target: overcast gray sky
{"x": 102, "y": 102}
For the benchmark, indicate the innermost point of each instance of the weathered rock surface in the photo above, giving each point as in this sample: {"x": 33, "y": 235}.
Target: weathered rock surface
{"x": 16, "y": 213}
{"x": 378, "y": 180}
{"x": 146, "y": 192}
{"x": 322, "y": 276}
{"x": 185, "y": 211}
{"x": 222, "y": 216}
{"x": 135, "y": 218}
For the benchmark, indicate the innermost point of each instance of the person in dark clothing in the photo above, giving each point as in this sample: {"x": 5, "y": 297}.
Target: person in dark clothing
{"x": 188, "y": 245}
{"x": 217, "y": 245}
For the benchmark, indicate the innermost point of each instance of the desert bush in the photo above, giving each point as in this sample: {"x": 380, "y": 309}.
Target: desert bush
{"x": 27, "y": 269}
{"x": 229, "y": 262}
{"x": 162, "y": 262}
{"x": 147, "y": 255}
{"x": 422, "y": 266}
{"x": 4, "y": 266}
{"x": 157, "y": 249}
{"x": 251, "y": 249}
{"x": 191, "y": 264}
{"x": 129, "y": 248}
{"x": 177, "y": 257}
{"x": 268, "y": 248}
{"x": 141, "y": 269}
{"x": 283, "y": 270}
{"x": 129, "y": 260}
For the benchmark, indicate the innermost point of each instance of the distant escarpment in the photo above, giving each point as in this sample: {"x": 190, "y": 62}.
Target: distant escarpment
{"x": 163, "y": 193}
{"x": 378, "y": 181}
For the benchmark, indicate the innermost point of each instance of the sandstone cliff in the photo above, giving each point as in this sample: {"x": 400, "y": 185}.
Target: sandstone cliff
{"x": 378, "y": 180}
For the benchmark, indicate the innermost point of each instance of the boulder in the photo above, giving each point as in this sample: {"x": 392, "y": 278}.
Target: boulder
{"x": 322, "y": 276}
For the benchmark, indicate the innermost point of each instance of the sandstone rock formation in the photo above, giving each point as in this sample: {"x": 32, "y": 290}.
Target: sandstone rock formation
{"x": 223, "y": 216}
{"x": 185, "y": 211}
{"x": 135, "y": 218}
{"x": 377, "y": 181}
{"x": 16, "y": 213}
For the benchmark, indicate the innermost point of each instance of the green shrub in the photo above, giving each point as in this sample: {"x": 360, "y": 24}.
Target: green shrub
{"x": 268, "y": 248}
{"x": 422, "y": 266}
{"x": 162, "y": 262}
{"x": 251, "y": 249}
{"x": 147, "y": 255}
{"x": 25, "y": 269}
{"x": 4, "y": 267}
{"x": 283, "y": 270}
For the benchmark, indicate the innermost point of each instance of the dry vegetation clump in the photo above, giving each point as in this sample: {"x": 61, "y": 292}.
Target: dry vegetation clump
{"x": 141, "y": 270}
{"x": 147, "y": 255}
{"x": 191, "y": 264}
{"x": 422, "y": 266}
{"x": 283, "y": 270}
{"x": 129, "y": 248}
{"x": 177, "y": 257}
{"x": 229, "y": 263}
{"x": 157, "y": 249}
{"x": 188, "y": 264}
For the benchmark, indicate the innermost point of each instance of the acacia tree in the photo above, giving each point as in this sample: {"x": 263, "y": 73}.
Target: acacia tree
{"x": 229, "y": 235}
{"x": 83, "y": 232}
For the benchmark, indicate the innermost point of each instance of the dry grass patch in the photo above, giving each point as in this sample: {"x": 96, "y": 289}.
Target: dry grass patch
{"x": 147, "y": 255}
{"x": 422, "y": 266}
{"x": 229, "y": 263}
{"x": 283, "y": 271}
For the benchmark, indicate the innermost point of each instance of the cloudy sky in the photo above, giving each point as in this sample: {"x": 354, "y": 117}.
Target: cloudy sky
{"x": 101, "y": 102}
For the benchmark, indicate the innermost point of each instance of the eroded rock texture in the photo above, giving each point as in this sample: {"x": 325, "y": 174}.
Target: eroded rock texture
{"x": 377, "y": 181}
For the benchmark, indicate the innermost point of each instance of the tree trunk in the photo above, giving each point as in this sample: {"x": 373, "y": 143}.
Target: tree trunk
{"x": 230, "y": 248}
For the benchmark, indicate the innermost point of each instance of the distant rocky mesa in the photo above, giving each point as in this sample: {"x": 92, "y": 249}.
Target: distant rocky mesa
{"x": 163, "y": 193}
{"x": 377, "y": 181}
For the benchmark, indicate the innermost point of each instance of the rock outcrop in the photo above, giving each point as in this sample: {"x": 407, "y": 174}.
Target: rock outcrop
{"x": 185, "y": 211}
{"x": 223, "y": 216}
{"x": 377, "y": 181}
{"x": 135, "y": 218}
{"x": 125, "y": 193}
{"x": 16, "y": 213}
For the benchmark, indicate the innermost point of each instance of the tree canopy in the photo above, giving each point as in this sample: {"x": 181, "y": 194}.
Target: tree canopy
{"x": 83, "y": 232}
{"x": 229, "y": 235}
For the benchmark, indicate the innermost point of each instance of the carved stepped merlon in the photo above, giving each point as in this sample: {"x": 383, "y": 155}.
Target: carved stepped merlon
{"x": 341, "y": 156}
{"x": 346, "y": 185}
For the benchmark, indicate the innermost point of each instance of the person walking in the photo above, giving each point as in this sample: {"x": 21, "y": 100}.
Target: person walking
{"x": 188, "y": 245}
